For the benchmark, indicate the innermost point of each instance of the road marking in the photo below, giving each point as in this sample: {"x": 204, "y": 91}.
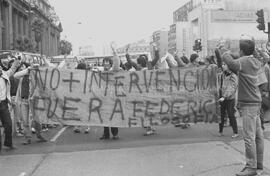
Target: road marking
{"x": 58, "y": 134}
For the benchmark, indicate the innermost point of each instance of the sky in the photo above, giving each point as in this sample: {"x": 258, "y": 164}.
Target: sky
{"x": 98, "y": 22}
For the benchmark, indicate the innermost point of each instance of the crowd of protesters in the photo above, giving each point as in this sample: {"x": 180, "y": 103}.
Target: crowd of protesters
{"x": 243, "y": 81}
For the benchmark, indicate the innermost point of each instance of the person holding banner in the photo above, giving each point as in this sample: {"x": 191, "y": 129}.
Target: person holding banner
{"x": 82, "y": 66}
{"x": 249, "y": 102}
{"x": 193, "y": 60}
{"x": 17, "y": 125}
{"x": 23, "y": 102}
{"x": 181, "y": 62}
{"x": 5, "y": 98}
{"x": 227, "y": 100}
{"x": 111, "y": 65}
{"x": 144, "y": 64}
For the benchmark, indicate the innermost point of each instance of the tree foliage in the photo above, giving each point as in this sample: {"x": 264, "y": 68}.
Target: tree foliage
{"x": 65, "y": 47}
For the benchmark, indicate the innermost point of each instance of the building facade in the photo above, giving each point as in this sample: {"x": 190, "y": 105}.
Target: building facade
{"x": 17, "y": 19}
{"x": 215, "y": 20}
{"x": 86, "y": 50}
{"x": 160, "y": 38}
{"x": 178, "y": 37}
{"x": 141, "y": 46}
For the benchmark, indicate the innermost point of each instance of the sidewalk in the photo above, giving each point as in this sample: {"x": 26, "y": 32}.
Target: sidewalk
{"x": 199, "y": 159}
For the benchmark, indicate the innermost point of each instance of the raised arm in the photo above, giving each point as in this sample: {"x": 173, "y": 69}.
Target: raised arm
{"x": 116, "y": 59}
{"x": 133, "y": 64}
{"x": 22, "y": 73}
{"x": 172, "y": 63}
{"x": 14, "y": 67}
{"x": 234, "y": 65}
{"x": 179, "y": 61}
{"x": 156, "y": 58}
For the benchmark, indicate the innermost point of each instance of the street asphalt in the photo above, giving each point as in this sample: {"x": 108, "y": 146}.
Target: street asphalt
{"x": 195, "y": 151}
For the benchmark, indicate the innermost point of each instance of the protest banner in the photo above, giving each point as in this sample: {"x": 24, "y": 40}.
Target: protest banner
{"x": 125, "y": 99}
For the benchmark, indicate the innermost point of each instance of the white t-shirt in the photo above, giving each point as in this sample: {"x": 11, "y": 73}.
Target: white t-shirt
{"x": 3, "y": 89}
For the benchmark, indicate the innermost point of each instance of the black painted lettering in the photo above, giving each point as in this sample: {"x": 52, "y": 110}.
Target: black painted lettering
{"x": 167, "y": 107}
{"x": 42, "y": 82}
{"x": 36, "y": 101}
{"x": 172, "y": 79}
{"x": 51, "y": 112}
{"x": 95, "y": 106}
{"x": 189, "y": 81}
{"x": 176, "y": 110}
{"x": 107, "y": 79}
{"x": 147, "y": 84}
{"x": 132, "y": 122}
{"x": 115, "y": 110}
{"x": 135, "y": 109}
{"x": 93, "y": 76}
{"x": 205, "y": 79}
{"x": 117, "y": 85}
{"x": 134, "y": 80}
{"x": 85, "y": 81}
{"x": 71, "y": 81}
{"x": 158, "y": 72}
{"x": 52, "y": 78}
{"x": 148, "y": 107}
{"x": 70, "y": 108}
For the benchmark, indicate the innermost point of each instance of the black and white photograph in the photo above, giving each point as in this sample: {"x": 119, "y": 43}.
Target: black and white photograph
{"x": 135, "y": 88}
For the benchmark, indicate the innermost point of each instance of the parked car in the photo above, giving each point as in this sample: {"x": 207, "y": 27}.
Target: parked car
{"x": 30, "y": 58}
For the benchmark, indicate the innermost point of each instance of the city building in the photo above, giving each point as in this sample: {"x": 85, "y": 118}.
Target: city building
{"x": 29, "y": 25}
{"x": 86, "y": 50}
{"x": 215, "y": 20}
{"x": 141, "y": 46}
{"x": 160, "y": 38}
{"x": 177, "y": 37}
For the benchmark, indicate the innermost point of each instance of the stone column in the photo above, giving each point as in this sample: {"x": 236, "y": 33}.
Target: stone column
{"x": 8, "y": 25}
{"x": 20, "y": 18}
{"x": 13, "y": 24}
{"x": 1, "y": 24}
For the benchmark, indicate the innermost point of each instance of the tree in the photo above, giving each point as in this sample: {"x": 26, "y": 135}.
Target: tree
{"x": 65, "y": 47}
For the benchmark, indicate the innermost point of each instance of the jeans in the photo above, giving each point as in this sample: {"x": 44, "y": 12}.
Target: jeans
{"x": 26, "y": 119}
{"x": 253, "y": 136}
{"x": 227, "y": 107}
{"x": 114, "y": 131}
{"x": 14, "y": 113}
{"x": 6, "y": 122}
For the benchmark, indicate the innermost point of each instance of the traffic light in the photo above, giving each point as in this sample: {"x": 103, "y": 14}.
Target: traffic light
{"x": 260, "y": 20}
{"x": 198, "y": 45}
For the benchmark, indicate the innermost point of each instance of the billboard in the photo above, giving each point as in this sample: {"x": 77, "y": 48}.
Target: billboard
{"x": 233, "y": 16}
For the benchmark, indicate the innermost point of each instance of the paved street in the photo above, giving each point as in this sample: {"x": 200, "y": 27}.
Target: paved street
{"x": 194, "y": 151}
